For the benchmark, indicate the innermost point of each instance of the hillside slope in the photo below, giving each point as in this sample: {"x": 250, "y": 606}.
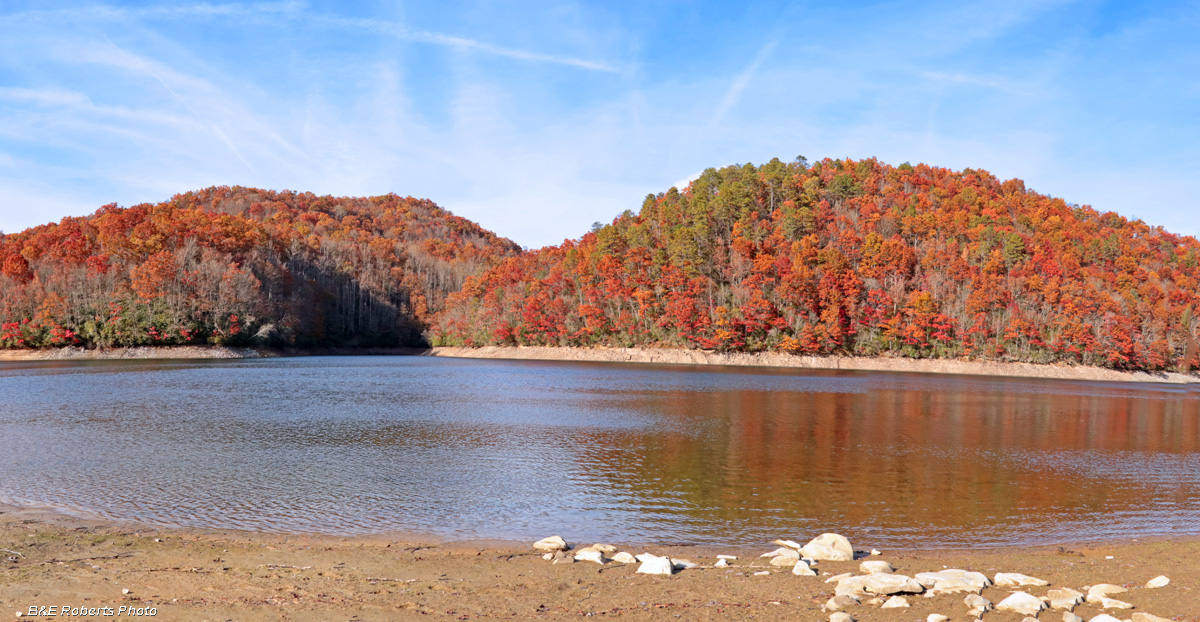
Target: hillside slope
{"x": 239, "y": 266}
{"x": 855, "y": 258}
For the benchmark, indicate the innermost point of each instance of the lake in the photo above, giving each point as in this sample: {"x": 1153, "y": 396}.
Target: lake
{"x": 600, "y": 452}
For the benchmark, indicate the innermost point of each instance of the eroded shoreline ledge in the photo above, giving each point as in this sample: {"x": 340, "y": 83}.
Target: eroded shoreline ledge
{"x": 664, "y": 356}
{"x": 846, "y": 363}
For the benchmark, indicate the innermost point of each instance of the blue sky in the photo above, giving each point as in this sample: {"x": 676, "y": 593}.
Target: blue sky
{"x": 538, "y": 118}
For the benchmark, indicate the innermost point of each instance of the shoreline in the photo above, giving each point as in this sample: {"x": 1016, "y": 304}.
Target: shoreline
{"x": 679, "y": 356}
{"x": 653, "y": 356}
{"x": 187, "y": 574}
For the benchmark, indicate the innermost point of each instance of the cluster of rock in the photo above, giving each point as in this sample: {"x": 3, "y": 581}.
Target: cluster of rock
{"x": 878, "y": 580}
{"x": 556, "y": 548}
{"x": 878, "y": 584}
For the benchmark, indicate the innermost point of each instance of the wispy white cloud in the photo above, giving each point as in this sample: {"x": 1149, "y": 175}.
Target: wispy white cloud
{"x": 734, "y": 93}
{"x": 990, "y": 82}
{"x": 295, "y": 11}
{"x": 404, "y": 33}
{"x": 683, "y": 183}
{"x": 540, "y": 155}
{"x": 203, "y": 9}
{"x": 45, "y": 97}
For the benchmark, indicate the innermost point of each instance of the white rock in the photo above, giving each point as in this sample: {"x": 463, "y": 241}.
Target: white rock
{"x": 548, "y": 556}
{"x": 894, "y": 602}
{"x": 855, "y": 586}
{"x": 1112, "y": 603}
{"x": 1159, "y": 581}
{"x": 1064, "y": 598}
{"x": 875, "y": 567}
{"x": 590, "y": 554}
{"x": 1147, "y": 617}
{"x": 683, "y": 564}
{"x": 1103, "y": 590}
{"x": 978, "y": 605}
{"x": 891, "y": 584}
{"x": 840, "y": 617}
{"x": 1022, "y": 603}
{"x": 1010, "y": 579}
{"x": 953, "y": 581}
{"x": 837, "y": 603}
{"x": 655, "y": 565}
{"x": 762, "y": 573}
{"x": 721, "y": 563}
{"x": 553, "y": 543}
{"x": 1070, "y": 617}
{"x": 837, "y": 578}
{"x": 801, "y": 569}
{"x": 561, "y": 557}
{"x": 783, "y": 561}
{"x": 875, "y": 552}
{"x": 791, "y": 544}
{"x": 126, "y": 591}
{"x": 607, "y": 549}
{"x": 1104, "y": 617}
{"x": 829, "y": 547}
{"x": 936, "y": 617}
{"x": 782, "y": 552}
{"x": 624, "y": 558}
{"x": 727, "y": 557}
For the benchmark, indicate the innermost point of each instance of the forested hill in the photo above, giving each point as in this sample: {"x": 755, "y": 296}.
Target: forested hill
{"x": 240, "y": 266}
{"x": 858, "y": 258}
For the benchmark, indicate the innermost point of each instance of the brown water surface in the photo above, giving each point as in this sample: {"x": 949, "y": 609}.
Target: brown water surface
{"x": 502, "y": 449}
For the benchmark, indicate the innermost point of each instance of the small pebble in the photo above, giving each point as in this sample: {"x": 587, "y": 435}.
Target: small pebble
{"x": 126, "y": 591}
{"x": 759, "y": 574}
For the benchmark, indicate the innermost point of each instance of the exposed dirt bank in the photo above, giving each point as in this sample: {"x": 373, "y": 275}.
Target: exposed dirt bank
{"x": 928, "y": 366}
{"x": 191, "y": 352}
{"x": 142, "y": 352}
{"x": 629, "y": 355}
{"x": 53, "y": 560}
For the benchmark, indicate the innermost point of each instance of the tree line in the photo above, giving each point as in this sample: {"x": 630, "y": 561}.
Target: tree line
{"x": 240, "y": 266}
{"x": 853, "y": 258}
{"x": 835, "y": 257}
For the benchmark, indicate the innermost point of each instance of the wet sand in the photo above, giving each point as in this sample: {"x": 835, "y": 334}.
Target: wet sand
{"x": 51, "y": 559}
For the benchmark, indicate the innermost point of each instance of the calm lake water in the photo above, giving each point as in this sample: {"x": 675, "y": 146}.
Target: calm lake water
{"x": 622, "y": 453}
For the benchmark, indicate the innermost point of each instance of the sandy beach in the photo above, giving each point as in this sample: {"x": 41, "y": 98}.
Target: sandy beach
{"x": 54, "y": 560}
